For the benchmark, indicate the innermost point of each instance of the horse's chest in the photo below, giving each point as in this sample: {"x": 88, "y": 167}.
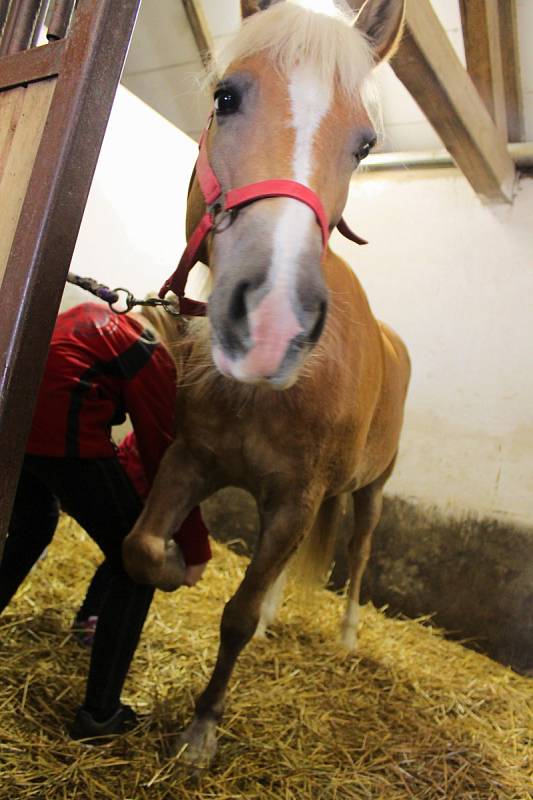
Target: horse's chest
{"x": 247, "y": 444}
{"x": 252, "y": 441}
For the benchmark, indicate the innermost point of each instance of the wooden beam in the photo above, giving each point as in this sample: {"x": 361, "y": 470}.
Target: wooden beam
{"x": 481, "y": 34}
{"x": 31, "y": 65}
{"x": 428, "y": 66}
{"x": 23, "y": 113}
{"x": 511, "y": 70}
{"x": 200, "y": 29}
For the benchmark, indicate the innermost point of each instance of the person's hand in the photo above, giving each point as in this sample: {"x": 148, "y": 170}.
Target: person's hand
{"x": 193, "y": 574}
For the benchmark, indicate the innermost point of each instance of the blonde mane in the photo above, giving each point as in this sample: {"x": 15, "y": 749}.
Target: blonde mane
{"x": 291, "y": 35}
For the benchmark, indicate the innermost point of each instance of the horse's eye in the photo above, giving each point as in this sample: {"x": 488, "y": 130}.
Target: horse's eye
{"x": 364, "y": 150}
{"x": 227, "y": 101}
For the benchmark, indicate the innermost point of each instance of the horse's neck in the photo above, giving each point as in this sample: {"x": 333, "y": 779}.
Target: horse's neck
{"x": 342, "y": 281}
{"x": 350, "y": 320}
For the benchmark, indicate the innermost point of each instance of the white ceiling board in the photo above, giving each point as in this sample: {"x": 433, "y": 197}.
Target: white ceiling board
{"x": 162, "y": 37}
{"x": 174, "y": 93}
{"x": 164, "y": 69}
{"x": 223, "y": 17}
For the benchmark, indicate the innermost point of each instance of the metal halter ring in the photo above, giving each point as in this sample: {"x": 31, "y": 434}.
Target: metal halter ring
{"x": 129, "y": 301}
{"x": 221, "y": 217}
{"x": 170, "y": 306}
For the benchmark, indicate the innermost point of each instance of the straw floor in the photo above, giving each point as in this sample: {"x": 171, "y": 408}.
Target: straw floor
{"x": 412, "y": 716}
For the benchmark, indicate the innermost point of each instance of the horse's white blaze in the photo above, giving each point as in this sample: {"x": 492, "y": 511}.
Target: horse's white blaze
{"x": 310, "y": 101}
{"x": 273, "y": 323}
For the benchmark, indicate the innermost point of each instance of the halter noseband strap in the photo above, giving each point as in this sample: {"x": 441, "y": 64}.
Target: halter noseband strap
{"x": 222, "y": 209}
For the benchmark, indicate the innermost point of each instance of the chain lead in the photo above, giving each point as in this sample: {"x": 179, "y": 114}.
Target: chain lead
{"x": 130, "y": 301}
{"x": 113, "y": 296}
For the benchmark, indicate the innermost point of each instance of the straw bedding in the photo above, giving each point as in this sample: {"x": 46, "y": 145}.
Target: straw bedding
{"x": 411, "y": 716}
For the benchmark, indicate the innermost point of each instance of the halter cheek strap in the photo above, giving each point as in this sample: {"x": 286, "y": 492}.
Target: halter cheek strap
{"x": 222, "y": 209}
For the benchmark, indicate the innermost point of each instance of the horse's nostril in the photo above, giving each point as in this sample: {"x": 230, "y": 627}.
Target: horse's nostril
{"x": 318, "y": 327}
{"x": 237, "y": 306}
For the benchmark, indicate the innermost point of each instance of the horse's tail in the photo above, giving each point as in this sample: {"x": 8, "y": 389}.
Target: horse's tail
{"x": 313, "y": 561}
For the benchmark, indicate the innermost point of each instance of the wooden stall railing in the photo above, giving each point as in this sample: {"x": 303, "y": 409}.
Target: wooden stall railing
{"x": 55, "y": 101}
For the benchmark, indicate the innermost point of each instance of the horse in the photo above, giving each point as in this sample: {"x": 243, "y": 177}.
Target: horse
{"x": 291, "y": 389}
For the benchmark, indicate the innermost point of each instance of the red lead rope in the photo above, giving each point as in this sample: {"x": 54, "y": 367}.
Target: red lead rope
{"x": 221, "y": 209}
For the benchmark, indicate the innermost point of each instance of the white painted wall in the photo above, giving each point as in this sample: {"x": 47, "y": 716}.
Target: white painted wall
{"x": 455, "y": 279}
{"x": 133, "y": 229}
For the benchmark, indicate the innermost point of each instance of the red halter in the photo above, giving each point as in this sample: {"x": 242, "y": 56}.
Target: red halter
{"x": 222, "y": 209}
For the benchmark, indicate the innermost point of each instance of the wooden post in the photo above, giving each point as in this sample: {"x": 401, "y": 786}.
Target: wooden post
{"x": 481, "y": 35}
{"x": 428, "y": 66}
{"x": 511, "y": 70}
{"x": 200, "y": 29}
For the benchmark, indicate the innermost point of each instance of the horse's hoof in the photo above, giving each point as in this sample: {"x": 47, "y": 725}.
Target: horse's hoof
{"x": 197, "y": 745}
{"x": 172, "y": 573}
{"x": 143, "y": 556}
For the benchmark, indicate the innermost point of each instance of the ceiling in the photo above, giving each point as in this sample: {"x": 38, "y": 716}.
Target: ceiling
{"x": 164, "y": 69}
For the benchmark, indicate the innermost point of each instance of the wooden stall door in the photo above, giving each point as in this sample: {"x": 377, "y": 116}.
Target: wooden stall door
{"x": 55, "y": 101}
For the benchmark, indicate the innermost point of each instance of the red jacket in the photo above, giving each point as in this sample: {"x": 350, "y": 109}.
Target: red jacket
{"x": 193, "y": 536}
{"x": 101, "y": 366}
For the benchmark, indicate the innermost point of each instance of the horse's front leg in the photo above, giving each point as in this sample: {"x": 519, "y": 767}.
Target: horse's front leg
{"x": 149, "y": 552}
{"x": 280, "y": 537}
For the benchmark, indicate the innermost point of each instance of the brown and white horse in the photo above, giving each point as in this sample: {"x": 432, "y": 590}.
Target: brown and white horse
{"x": 283, "y": 315}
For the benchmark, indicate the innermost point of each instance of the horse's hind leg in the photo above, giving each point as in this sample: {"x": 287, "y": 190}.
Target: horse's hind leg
{"x": 368, "y": 503}
{"x": 312, "y": 562}
{"x": 270, "y": 605}
{"x": 280, "y": 537}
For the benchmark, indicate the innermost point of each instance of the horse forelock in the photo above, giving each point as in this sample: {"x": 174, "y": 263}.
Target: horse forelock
{"x": 288, "y": 35}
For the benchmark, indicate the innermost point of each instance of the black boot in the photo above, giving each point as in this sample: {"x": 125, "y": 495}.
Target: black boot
{"x": 85, "y": 726}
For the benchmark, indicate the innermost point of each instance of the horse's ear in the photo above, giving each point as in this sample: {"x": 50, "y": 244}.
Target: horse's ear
{"x": 382, "y": 22}
{"x": 249, "y": 7}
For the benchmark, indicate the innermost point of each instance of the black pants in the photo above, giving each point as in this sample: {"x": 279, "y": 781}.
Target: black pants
{"x": 101, "y": 498}
{"x": 95, "y": 596}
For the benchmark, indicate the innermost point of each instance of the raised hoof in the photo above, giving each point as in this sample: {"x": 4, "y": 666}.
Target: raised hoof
{"x": 143, "y": 556}
{"x": 172, "y": 573}
{"x": 197, "y": 745}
